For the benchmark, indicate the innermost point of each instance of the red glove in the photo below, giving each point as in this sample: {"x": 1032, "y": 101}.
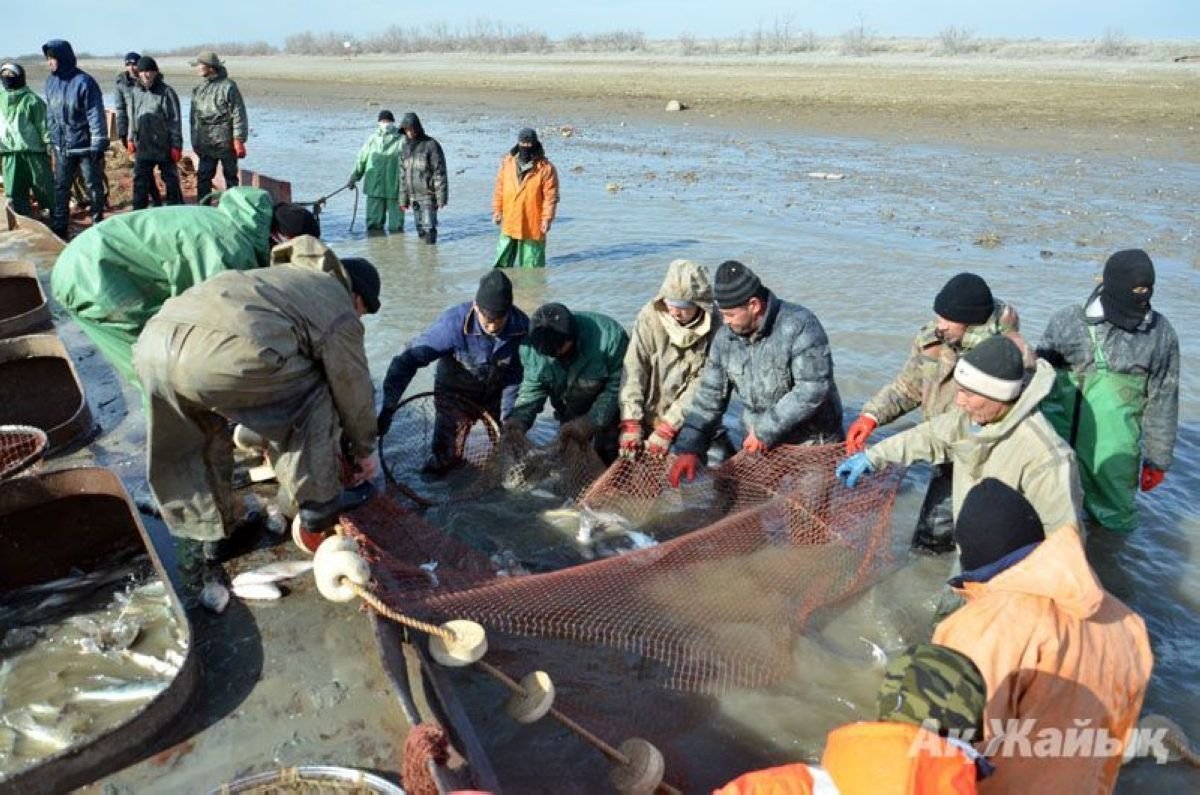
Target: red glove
{"x": 1151, "y": 477}
{"x": 239, "y": 148}
{"x": 130, "y": 147}
{"x": 659, "y": 442}
{"x": 860, "y": 429}
{"x": 684, "y": 469}
{"x": 176, "y": 155}
{"x": 629, "y": 443}
{"x": 752, "y": 444}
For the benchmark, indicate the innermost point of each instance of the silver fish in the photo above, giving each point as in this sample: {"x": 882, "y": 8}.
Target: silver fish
{"x": 166, "y": 667}
{"x": 130, "y": 691}
{"x": 257, "y": 591}
{"x": 273, "y": 572}
{"x": 24, "y": 724}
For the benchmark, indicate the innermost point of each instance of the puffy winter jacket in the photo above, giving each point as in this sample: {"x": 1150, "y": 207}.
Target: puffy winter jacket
{"x": 1057, "y": 649}
{"x": 125, "y": 86}
{"x": 156, "y": 127}
{"x": 1021, "y": 450}
{"x": 783, "y": 375}
{"x": 75, "y": 104}
{"x": 524, "y": 204}
{"x": 664, "y": 360}
{"x": 218, "y": 115}
{"x": 471, "y": 363}
{"x": 116, "y": 275}
{"x": 586, "y": 384}
{"x": 1152, "y": 350}
{"x": 22, "y": 121}
{"x": 378, "y": 164}
{"x": 423, "y": 169}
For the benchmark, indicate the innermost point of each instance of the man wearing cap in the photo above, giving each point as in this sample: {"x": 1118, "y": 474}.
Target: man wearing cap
{"x": 423, "y": 183}
{"x": 378, "y": 166}
{"x": 995, "y": 430}
{"x": 112, "y": 279}
{"x": 965, "y": 315}
{"x": 477, "y": 347}
{"x": 218, "y": 122}
{"x": 574, "y": 359}
{"x": 24, "y": 140}
{"x": 126, "y": 84}
{"x": 155, "y": 134}
{"x": 930, "y": 704}
{"x": 666, "y": 356}
{"x": 524, "y": 203}
{"x": 775, "y": 356}
{"x": 1116, "y": 397}
{"x": 78, "y": 132}
{"x": 280, "y": 351}
{"x": 1054, "y": 646}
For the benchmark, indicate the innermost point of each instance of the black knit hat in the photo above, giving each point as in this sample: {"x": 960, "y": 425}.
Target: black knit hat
{"x": 528, "y": 135}
{"x": 966, "y": 298}
{"x": 1123, "y": 272}
{"x": 147, "y": 64}
{"x": 131, "y": 58}
{"x": 994, "y": 368}
{"x": 292, "y": 220}
{"x": 734, "y": 285}
{"x": 364, "y": 281}
{"x": 495, "y": 293}
{"x": 550, "y": 326}
{"x": 994, "y": 520}
{"x": 386, "y": 115}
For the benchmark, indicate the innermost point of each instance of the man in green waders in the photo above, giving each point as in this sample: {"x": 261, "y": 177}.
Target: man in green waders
{"x": 524, "y": 202}
{"x": 24, "y": 143}
{"x": 1116, "y": 394}
{"x": 378, "y": 166}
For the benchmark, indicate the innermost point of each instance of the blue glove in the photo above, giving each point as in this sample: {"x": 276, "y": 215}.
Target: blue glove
{"x": 853, "y": 468}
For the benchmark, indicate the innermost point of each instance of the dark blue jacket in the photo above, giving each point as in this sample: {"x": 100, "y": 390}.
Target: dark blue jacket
{"x": 74, "y": 103}
{"x": 470, "y": 363}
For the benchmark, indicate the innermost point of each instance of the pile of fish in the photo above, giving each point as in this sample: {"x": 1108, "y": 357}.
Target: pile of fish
{"x": 79, "y": 656}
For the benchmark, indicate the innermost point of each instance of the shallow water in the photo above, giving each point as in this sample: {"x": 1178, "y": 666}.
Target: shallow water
{"x": 867, "y": 254}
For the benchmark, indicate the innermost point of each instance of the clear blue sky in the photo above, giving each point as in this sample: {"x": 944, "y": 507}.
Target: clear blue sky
{"x": 107, "y": 26}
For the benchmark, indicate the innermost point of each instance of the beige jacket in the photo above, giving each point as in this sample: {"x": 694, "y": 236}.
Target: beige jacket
{"x": 1021, "y": 450}
{"x": 664, "y": 359}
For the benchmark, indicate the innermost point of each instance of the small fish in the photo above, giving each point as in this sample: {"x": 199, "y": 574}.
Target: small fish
{"x": 430, "y": 570}
{"x": 257, "y": 591}
{"x": 545, "y": 494}
{"x": 166, "y": 667}
{"x": 215, "y": 597}
{"x": 130, "y": 691}
{"x": 597, "y": 524}
{"x": 273, "y": 572}
{"x": 878, "y": 655}
{"x": 24, "y": 724}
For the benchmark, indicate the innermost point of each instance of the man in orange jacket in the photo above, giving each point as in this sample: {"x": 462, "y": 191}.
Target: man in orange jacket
{"x": 931, "y": 703}
{"x": 1066, "y": 662}
{"x": 524, "y": 203}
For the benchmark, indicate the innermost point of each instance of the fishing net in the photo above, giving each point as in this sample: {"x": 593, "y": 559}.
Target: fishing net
{"x": 20, "y": 446}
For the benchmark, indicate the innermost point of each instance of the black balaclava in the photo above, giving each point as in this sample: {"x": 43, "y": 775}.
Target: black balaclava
{"x": 994, "y": 520}
{"x": 528, "y": 136}
{"x": 549, "y": 327}
{"x": 13, "y": 76}
{"x": 292, "y": 220}
{"x": 1124, "y": 271}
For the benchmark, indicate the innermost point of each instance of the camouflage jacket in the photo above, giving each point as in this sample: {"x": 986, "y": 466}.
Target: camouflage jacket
{"x": 927, "y": 378}
{"x": 1152, "y": 350}
{"x": 218, "y": 116}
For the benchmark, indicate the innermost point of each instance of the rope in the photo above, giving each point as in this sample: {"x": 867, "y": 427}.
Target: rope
{"x": 379, "y": 607}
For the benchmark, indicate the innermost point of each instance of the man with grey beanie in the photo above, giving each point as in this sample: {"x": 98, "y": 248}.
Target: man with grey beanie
{"x": 775, "y": 356}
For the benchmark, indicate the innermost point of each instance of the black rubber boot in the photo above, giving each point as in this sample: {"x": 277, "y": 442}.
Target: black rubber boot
{"x": 431, "y": 236}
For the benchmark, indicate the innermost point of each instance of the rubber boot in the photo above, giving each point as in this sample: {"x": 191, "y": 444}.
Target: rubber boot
{"x": 431, "y": 236}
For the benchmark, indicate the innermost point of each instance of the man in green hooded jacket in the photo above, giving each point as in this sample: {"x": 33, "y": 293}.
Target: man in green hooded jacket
{"x": 378, "y": 166}
{"x": 23, "y": 143}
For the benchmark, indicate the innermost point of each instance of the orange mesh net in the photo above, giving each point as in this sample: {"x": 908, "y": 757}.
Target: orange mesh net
{"x": 20, "y": 446}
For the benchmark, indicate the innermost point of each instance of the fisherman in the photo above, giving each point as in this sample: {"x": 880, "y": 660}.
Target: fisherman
{"x": 155, "y": 135}
{"x": 775, "y": 356}
{"x": 995, "y": 430}
{"x": 111, "y": 278}
{"x": 127, "y": 83}
{"x": 965, "y": 314}
{"x": 931, "y": 702}
{"x": 477, "y": 347}
{"x": 575, "y": 360}
{"x": 666, "y": 356}
{"x": 24, "y": 141}
{"x": 524, "y": 203}
{"x": 1054, "y": 646}
{"x": 219, "y": 124}
{"x": 1116, "y": 396}
{"x": 378, "y": 166}
{"x": 280, "y": 351}
{"x": 423, "y": 183}
{"x": 78, "y": 132}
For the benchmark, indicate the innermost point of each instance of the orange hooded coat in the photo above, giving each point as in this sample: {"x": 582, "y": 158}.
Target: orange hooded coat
{"x": 524, "y": 204}
{"x": 1057, "y": 648}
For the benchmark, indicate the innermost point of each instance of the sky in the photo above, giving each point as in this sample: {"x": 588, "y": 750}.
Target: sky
{"x": 110, "y": 27}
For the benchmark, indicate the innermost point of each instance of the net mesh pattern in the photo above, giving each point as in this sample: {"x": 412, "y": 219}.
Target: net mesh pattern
{"x": 20, "y": 446}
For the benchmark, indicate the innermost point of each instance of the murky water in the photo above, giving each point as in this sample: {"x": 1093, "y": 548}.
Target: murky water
{"x": 867, "y": 254}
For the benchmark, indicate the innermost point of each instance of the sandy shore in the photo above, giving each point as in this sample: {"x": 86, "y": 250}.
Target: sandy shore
{"x": 1095, "y": 105}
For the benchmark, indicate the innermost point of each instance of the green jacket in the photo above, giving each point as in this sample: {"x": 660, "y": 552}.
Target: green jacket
{"x": 378, "y": 165}
{"x": 22, "y": 122}
{"x": 587, "y": 384}
{"x": 218, "y": 116}
{"x": 116, "y": 275}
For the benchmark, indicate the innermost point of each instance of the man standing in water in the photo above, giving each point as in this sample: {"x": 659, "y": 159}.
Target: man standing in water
{"x": 423, "y": 183}
{"x": 23, "y": 142}
{"x": 378, "y": 166}
{"x": 155, "y": 135}
{"x": 78, "y": 132}
{"x": 524, "y": 202}
{"x": 775, "y": 356}
{"x": 965, "y": 315}
{"x": 219, "y": 124}
{"x": 1116, "y": 395}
